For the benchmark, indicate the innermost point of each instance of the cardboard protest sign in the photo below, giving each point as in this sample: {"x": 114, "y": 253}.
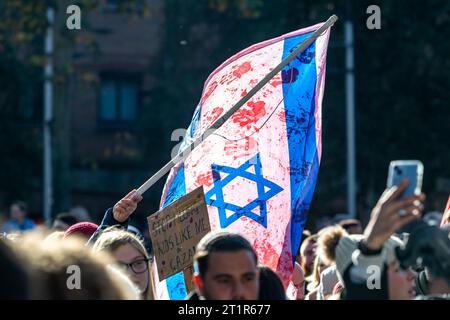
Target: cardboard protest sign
{"x": 175, "y": 231}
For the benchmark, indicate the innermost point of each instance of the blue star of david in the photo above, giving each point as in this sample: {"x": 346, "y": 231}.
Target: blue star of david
{"x": 262, "y": 183}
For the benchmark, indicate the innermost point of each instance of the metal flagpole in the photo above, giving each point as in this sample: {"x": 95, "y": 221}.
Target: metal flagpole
{"x": 350, "y": 114}
{"x": 219, "y": 122}
{"x": 48, "y": 115}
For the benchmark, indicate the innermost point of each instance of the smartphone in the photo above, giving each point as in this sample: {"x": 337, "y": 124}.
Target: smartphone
{"x": 406, "y": 169}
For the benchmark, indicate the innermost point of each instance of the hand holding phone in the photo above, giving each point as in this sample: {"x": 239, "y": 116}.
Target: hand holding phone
{"x": 386, "y": 219}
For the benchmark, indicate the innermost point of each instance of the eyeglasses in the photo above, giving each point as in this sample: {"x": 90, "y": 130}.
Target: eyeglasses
{"x": 138, "y": 266}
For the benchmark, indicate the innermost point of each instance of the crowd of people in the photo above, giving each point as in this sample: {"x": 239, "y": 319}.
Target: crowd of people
{"x": 397, "y": 256}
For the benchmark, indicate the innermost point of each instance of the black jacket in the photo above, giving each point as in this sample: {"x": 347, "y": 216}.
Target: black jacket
{"x": 107, "y": 221}
{"x": 192, "y": 296}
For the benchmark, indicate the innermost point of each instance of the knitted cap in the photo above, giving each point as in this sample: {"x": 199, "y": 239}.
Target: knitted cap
{"x": 347, "y": 252}
{"x": 83, "y": 229}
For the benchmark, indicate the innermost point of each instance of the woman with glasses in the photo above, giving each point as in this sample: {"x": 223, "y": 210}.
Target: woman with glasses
{"x": 130, "y": 254}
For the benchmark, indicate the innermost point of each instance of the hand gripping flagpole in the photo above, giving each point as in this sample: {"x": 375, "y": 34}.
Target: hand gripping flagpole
{"x": 219, "y": 122}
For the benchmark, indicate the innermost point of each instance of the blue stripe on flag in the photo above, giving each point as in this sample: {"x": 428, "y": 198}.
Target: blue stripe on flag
{"x": 177, "y": 188}
{"x": 299, "y": 83}
{"x": 175, "y": 284}
{"x": 176, "y": 287}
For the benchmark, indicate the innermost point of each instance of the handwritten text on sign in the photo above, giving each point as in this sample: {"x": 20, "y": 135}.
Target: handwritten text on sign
{"x": 176, "y": 230}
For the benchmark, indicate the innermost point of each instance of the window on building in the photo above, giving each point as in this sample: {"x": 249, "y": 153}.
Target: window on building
{"x": 119, "y": 100}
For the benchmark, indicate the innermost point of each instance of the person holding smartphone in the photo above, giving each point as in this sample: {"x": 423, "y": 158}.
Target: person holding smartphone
{"x": 367, "y": 264}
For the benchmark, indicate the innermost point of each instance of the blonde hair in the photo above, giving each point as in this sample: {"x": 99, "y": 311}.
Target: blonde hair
{"x": 113, "y": 238}
{"x": 49, "y": 262}
{"x": 327, "y": 242}
{"x": 54, "y": 236}
{"x": 314, "y": 278}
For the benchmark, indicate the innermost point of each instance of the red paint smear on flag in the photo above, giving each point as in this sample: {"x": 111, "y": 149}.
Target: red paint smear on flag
{"x": 250, "y": 144}
{"x": 215, "y": 113}
{"x": 282, "y": 116}
{"x": 224, "y": 78}
{"x": 230, "y": 147}
{"x": 247, "y": 116}
{"x": 205, "y": 179}
{"x": 267, "y": 254}
{"x": 242, "y": 69}
{"x": 240, "y": 149}
{"x": 276, "y": 83}
{"x": 209, "y": 91}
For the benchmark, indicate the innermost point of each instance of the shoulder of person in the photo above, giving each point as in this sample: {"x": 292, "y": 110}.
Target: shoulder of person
{"x": 312, "y": 295}
{"x": 29, "y": 222}
{"x": 10, "y": 225}
{"x": 10, "y": 222}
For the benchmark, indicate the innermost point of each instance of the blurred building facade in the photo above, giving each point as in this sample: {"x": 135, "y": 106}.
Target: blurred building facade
{"x": 105, "y": 100}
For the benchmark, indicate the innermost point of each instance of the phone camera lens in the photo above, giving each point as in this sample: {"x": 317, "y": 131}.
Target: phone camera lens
{"x": 398, "y": 170}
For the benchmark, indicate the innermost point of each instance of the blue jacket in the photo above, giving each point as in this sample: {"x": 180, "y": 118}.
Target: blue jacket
{"x": 12, "y": 225}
